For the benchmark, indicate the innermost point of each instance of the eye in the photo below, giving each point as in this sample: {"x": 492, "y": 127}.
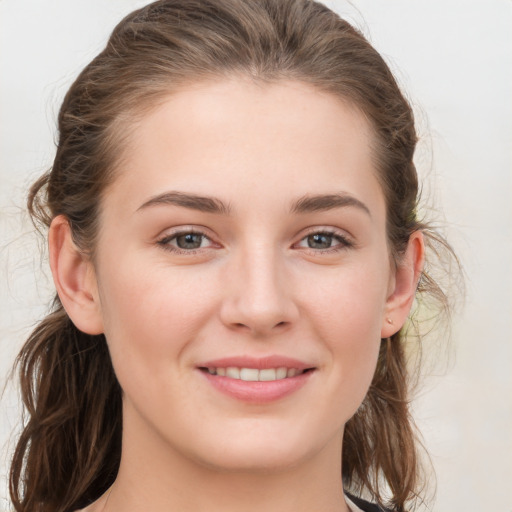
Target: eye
{"x": 185, "y": 241}
{"x": 319, "y": 241}
{"x": 324, "y": 241}
{"x": 190, "y": 240}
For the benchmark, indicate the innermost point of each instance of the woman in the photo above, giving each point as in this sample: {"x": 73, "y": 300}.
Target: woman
{"x": 235, "y": 247}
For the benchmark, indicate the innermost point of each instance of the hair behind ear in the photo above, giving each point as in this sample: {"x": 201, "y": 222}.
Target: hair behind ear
{"x": 381, "y": 431}
{"x": 69, "y": 450}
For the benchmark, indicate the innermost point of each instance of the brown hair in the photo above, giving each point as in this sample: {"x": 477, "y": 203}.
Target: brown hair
{"x": 69, "y": 451}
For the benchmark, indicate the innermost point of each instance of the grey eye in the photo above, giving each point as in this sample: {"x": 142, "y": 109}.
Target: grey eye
{"x": 319, "y": 241}
{"x": 189, "y": 241}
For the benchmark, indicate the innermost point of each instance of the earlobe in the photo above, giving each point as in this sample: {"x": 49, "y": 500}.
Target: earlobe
{"x": 404, "y": 284}
{"x": 74, "y": 278}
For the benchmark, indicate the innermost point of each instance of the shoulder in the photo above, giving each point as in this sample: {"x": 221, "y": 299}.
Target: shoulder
{"x": 364, "y": 505}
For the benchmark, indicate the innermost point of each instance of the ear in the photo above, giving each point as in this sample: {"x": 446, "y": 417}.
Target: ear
{"x": 74, "y": 278}
{"x": 403, "y": 284}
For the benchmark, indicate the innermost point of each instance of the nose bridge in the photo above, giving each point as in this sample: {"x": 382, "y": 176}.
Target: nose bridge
{"x": 258, "y": 296}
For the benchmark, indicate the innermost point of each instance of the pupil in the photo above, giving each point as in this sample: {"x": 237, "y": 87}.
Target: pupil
{"x": 189, "y": 241}
{"x": 319, "y": 241}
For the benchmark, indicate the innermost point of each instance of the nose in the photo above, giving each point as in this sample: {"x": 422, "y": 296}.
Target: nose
{"x": 258, "y": 296}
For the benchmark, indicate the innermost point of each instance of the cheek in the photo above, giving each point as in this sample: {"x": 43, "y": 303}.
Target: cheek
{"x": 350, "y": 302}
{"x": 348, "y": 314}
{"x": 151, "y": 314}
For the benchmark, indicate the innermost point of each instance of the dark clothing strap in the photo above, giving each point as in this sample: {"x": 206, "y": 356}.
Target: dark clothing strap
{"x": 366, "y": 505}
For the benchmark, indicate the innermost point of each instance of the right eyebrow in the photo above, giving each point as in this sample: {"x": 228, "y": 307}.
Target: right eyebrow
{"x": 194, "y": 202}
{"x": 322, "y": 202}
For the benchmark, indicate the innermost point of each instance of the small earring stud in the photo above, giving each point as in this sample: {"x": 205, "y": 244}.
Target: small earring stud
{"x": 389, "y": 321}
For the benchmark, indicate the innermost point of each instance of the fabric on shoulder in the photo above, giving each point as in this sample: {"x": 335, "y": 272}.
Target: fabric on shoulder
{"x": 359, "y": 505}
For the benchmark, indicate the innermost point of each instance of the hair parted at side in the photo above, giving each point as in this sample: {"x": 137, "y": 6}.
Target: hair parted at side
{"x": 69, "y": 451}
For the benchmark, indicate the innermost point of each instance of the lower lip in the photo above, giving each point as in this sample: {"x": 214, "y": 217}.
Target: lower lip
{"x": 258, "y": 392}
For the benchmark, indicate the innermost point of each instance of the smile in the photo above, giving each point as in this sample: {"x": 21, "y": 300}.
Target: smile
{"x": 257, "y": 380}
{"x": 255, "y": 374}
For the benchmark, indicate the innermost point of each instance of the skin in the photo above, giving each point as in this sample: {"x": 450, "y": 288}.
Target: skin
{"x": 257, "y": 286}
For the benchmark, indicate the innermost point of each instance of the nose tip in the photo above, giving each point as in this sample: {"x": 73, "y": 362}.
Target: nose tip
{"x": 259, "y": 301}
{"x": 257, "y": 326}
{"x": 258, "y": 315}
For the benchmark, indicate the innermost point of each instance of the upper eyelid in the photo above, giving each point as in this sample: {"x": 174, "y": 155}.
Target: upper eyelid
{"x": 172, "y": 236}
{"x": 182, "y": 230}
{"x": 342, "y": 233}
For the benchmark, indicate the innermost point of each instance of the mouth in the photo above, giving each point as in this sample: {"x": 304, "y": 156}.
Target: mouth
{"x": 255, "y": 374}
{"x": 257, "y": 380}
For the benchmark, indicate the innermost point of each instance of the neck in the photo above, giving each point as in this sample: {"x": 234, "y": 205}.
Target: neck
{"x": 157, "y": 478}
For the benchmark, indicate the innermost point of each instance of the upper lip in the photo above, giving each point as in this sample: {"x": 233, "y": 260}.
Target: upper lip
{"x": 260, "y": 363}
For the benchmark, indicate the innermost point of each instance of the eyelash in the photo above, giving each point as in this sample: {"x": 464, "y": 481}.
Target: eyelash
{"x": 164, "y": 242}
{"x": 343, "y": 242}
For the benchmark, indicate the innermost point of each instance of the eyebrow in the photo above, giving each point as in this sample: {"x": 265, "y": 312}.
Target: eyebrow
{"x": 305, "y": 204}
{"x": 192, "y": 201}
{"x": 321, "y": 202}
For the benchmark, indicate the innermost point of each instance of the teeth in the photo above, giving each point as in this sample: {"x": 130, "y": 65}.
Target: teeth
{"x": 281, "y": 373}
{"x": 254, "y": 375}
{"x": 232, "y": 372}
{"x": 250, "y": 374}
{"x": 267, "y": 374}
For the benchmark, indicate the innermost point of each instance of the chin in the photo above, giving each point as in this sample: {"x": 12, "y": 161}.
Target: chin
{"x": 260, "y": 450}
{"x": 255, "y": 461}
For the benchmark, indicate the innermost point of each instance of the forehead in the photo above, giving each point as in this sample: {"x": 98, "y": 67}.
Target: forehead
{"x": 235, "y": 137}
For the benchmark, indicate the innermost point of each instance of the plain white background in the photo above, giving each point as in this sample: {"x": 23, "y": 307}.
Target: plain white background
{"x": 454, "y": 60}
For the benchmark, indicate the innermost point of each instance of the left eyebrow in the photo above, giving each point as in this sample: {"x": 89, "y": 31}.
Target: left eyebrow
{"x": 315, "y": 203}
{"x": 191, "y": 201}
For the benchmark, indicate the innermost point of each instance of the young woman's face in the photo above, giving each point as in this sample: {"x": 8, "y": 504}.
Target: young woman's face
{"x": 243, "y": 274}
